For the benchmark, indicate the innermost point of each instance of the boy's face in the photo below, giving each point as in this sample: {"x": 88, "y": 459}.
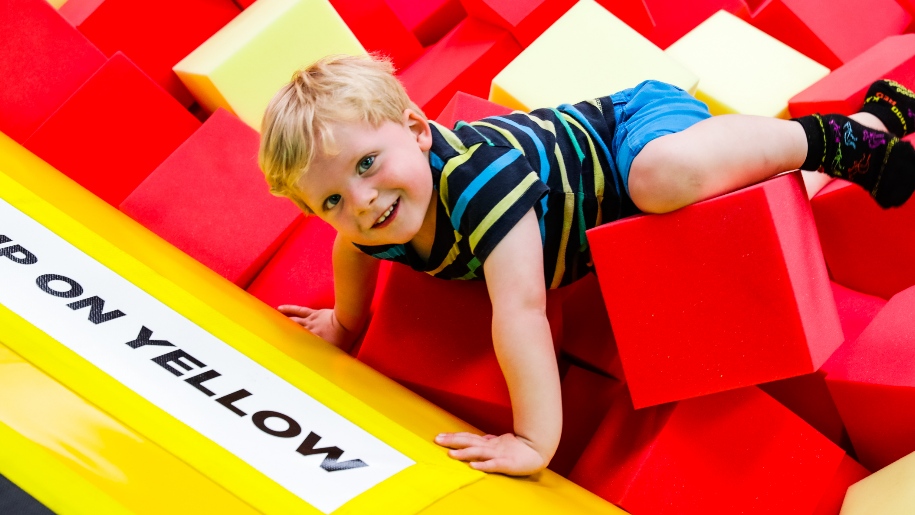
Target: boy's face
{"x": 378, "y": 188}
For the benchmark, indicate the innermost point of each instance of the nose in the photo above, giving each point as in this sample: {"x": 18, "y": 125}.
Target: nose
{"x": 364, "y": 197}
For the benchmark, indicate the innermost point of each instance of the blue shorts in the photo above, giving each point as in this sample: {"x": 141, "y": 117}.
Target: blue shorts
{"x": 648, "y": 111}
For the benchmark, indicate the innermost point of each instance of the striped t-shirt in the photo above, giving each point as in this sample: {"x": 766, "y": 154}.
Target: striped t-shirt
{"x": 488, "y": 174}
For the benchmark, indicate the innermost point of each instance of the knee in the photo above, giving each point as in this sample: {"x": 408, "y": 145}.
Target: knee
{"x": 664, "y": 177}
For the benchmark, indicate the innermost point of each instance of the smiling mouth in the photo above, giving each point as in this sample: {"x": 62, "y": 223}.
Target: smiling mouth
{"x": 387, "y": 216}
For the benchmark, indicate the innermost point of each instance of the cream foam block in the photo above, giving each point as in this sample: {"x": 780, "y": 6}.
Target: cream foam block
{"x": 579, "y": 57}
{"x": 742, "y": 69}
{"x": 243, "y": 65}
{"x": 889, "y": 491}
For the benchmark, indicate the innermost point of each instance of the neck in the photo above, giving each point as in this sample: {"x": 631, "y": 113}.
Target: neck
{"x": 422, "y": 242}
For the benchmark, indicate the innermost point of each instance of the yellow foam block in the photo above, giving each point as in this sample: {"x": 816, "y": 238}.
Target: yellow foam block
{"x": 580, "y": 57}
{"x": 57, "y": 3}
{"x": 889, "y": 491}
{"x": 742, "y": 69}
{"x": 243, "y": 65}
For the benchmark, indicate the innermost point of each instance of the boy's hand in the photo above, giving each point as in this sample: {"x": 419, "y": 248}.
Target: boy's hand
{"x": 507, "y": 454}
{"x": 321, "y": 322}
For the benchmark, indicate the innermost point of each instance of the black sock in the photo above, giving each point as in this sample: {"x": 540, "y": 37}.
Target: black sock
{"x": 879, "y": 162}
{"x": 893, "y": 104}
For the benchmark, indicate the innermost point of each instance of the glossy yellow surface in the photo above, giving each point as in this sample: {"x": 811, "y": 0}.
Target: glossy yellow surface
{"x": 574, "y": 60}
{"x": 742, "y": 69}
{"x": 101, "y": 466}
{"x": 388, "y": 411}
{"x": 243, "y": 65}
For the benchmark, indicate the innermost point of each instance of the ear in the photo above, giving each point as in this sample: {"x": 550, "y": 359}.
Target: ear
{"x": 420, "y": 128}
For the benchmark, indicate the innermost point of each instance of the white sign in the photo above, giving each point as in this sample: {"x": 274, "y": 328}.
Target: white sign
{"x": 276, "y": 428}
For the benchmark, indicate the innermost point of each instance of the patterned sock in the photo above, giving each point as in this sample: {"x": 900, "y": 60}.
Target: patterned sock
{"x": 877, "y": 161}
{"x": 893, "y": 104}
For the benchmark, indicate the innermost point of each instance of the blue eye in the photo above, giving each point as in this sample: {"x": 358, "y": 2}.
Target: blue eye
{"x": 365, "y": 164}
{"x": 331, "y": 201}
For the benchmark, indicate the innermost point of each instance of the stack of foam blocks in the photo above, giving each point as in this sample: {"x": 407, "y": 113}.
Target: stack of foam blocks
{"x": 748, "y": 354}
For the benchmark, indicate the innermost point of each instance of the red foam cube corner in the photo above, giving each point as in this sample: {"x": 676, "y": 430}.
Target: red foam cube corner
{"x": 525, "y": 20}
{"x": 154, "y": 35}
{"x": 848, "y": 473}
{"x": 663, "y": 22}
{"x": 429, "y": 20}
{"x": 732, "y": 452}
{"x": 832, "y": 35}
{"x": 209, "y": 199}
{"x": 729, "y": 292}
{"x": 466, "y": 59}
{"x": 587, "y": 337}
{"x": 44, "y": 60}
{"x": 378, "y": 28}
{"x": 843, "y": 90}
{"x": 113, "y": 131}
{"x": 872, "y": 381}
{"x": 867, "y": 248}
{"x": 468, "y": 108}
{"x": 435, "y": 337}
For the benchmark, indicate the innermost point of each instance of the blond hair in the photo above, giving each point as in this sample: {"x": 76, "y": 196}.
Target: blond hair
{"x": 334, "y": 89}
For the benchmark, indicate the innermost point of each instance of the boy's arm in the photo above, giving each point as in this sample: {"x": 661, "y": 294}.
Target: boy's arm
{"x": 355, "y": 275}
{"x": 524, "y": 347}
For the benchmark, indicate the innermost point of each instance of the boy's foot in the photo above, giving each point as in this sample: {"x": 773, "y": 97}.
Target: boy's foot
{"x": 879, "y": 162}
{"x": 893, "y": 104}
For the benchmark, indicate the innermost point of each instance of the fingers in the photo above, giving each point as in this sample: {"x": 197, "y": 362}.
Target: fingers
{"x": 493, "y": 465}
{"x": 295, "y": 311}
{"x": 461, "y": 440}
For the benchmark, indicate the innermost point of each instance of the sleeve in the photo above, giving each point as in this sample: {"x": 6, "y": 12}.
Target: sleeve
{"x": 488, "y": 192}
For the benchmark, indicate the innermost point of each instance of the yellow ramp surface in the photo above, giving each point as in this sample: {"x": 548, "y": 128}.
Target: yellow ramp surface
{"x": 889, "y": 491}
{"x": 166, "y": 369}
{"x": 587, "y": 53}
{"x": 243, "y": 65}
{"x": 742, "y": 69}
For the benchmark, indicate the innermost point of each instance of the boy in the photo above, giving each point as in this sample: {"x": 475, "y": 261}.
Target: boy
{"x": 509, "y": 198}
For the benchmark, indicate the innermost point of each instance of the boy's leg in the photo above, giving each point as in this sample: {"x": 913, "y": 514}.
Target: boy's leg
{"x": 725, "y": 153}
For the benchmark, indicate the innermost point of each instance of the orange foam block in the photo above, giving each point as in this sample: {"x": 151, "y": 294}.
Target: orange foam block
{"x": 731, "y": 452}
{"x": 525, "y": 20}
{"x": 586, "y": 333}
{"x": 466, "y": 59}
{"x": 729, "y": 292}
{"x": 832, "y": 35}
{"x": 665, "y": 21}
{"x": 867, "y": 249}
{"x": 807, "y": 395}
{"x": 435, "y": 337}
{"x": 872, "y": 381}
{"x": 586, "y": 397}
{"x": 114, "y": 130}
{"x": 154, "y": 35}
{"x": 44, "y": 60}
{"x": 209, "y": 199}
{"x": 429, "y": 20}
{"x": 843, "y": 90}
{"x": 468, "y": 108}
{"x": 379, "y": 30}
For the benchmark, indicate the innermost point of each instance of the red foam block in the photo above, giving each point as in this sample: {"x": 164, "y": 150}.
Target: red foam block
{"x": 732, "y": 452}
{"x": 807, "y": 395}
{"x": 209, "y": 199}
{"x": 44, "y": 60}
{"x": 586, "y": 397}
{"x": 154, "y": 35}
{"x": 113, "y": 131}
{"x": 849, "y": 473}
{"x": 525, "y": 20}
{"x": 831, "y": 36}
{"x": 466, "y": 59}
{"x": 587, "y": 336}
{"x": 435, "y": 337}
{"x": 729, "y": 292}
{"x": 867, "y": 249}
{"x": 429, "y": 20}
{"x": 468, "y": 108}
{"x": 872, "y": 381}
{"x": 843, "y": 90}
{"x": 378, "y": 28}
{"x": 665, "y": 21}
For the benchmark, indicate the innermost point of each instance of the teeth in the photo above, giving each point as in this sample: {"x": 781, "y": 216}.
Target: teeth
{"x": 386, "y": 214}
